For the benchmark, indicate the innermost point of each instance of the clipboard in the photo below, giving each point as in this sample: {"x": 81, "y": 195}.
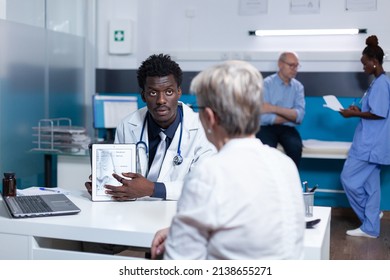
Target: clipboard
{"x": 107, "y": 159}
{"x": 332, "y": 103}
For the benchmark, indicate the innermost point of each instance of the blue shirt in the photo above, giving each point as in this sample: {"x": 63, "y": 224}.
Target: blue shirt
{"x": 371, "y": 141}
{"x": 291, "y": 96}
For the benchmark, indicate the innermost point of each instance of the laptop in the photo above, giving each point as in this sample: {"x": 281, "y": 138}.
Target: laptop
{"x": 29, "y": 206}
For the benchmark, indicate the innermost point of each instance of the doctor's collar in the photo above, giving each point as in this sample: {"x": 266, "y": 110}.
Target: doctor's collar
{"x": 154, "y": 129}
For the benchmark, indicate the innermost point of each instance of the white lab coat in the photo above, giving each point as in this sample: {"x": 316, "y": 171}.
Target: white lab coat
{"x": 245, "y": 202}
{"x": 194, "y": 146}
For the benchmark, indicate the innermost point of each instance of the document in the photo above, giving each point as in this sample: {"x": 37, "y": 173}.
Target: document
{"x": 332, "y": 103}
{"x": 35, "y": 190}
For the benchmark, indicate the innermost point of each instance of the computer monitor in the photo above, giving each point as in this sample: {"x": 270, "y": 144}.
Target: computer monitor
{"x": 109, "y": 110}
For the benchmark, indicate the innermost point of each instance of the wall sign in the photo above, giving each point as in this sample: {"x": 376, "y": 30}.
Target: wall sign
{"x": 252, "y": 7}
{"x": 360, "y": 5}
{"x": 305, "y": 6}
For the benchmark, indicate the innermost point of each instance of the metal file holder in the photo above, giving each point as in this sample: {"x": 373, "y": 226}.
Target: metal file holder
{"x": 56, "y": 135}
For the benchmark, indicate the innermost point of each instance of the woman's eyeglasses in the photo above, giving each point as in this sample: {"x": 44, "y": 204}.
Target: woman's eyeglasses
{"x": 196, "y": 108}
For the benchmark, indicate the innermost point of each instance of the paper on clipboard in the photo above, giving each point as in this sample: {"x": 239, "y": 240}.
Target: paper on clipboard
{"x": 332, "y": 103}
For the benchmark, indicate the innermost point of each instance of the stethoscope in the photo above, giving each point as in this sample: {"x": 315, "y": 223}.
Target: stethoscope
{"x": 369, "y": 88}
{"x": 141, "y": 145}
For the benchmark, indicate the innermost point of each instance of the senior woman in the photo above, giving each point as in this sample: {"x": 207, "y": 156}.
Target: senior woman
{"x": 246, "y": 201}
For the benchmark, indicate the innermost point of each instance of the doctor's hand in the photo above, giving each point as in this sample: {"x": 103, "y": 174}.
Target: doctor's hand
{"x": 135, "y": 187}
{"x": 88, "y": 185}
{"x": 158, "y": 243}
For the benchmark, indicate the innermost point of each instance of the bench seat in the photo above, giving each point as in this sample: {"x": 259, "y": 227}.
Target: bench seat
{"x": 313, "y": 148}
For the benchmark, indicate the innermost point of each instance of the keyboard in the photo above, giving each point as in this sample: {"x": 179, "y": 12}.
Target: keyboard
{"x": 32, "y": 204}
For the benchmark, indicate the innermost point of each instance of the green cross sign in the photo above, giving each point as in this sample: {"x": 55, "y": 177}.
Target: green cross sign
{"x": 119, "y": 35}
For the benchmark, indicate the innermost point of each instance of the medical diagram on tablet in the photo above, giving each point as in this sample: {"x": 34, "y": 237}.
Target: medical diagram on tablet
{"x": 106, "y": 160}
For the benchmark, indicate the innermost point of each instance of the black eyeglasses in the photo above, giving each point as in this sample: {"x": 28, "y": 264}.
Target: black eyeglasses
{"x": 292, "y": 65}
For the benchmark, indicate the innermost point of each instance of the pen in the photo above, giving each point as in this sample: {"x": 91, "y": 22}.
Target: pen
{"x": 314, "y": 188}
{"x": 305, "y": 187}
{"x": 354, "y": 102}
{"x": 49, "y": 190}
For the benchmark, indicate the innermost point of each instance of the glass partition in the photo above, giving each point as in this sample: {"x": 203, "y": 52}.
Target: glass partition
{"x": 42, "y": 75}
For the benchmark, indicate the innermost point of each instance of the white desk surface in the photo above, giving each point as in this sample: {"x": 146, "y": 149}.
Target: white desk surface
{"x": 317, "y": 239}
{"x": 133, "y": 224}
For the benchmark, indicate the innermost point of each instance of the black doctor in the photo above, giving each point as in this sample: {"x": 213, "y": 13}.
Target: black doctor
{"x": 161, "y": 164}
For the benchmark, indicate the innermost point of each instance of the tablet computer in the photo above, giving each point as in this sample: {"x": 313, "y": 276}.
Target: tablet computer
{"x": 106, "y": 160}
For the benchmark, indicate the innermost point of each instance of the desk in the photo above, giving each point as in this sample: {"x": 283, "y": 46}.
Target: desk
{"x": 317, "y": 239}
{"x": 124, "y": 223}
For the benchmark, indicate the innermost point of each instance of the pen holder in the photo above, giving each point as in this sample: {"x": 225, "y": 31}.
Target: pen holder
{"x": 308, "y": 198}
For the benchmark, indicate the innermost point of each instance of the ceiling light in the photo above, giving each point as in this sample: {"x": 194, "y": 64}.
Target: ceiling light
{"x": 307, "y": 32}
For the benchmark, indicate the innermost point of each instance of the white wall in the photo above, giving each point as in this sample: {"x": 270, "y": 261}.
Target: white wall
{"x": 113, "y": 10}
{"x": 26, "y": 12}
{"x": 66, "y": 16}
{"x": 201, "y": 32}
{"x": 3, "y": 8}
{"x": 59, "y": 15}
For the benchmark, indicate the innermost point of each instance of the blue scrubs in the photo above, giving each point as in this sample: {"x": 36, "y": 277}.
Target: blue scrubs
{"x": 370, "y": 149}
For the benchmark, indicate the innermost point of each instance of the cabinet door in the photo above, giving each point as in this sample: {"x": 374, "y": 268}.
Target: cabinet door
{"x": 14, "y": 247}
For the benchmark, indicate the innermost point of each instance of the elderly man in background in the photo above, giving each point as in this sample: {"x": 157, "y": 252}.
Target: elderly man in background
{"x": 283, "y": 108}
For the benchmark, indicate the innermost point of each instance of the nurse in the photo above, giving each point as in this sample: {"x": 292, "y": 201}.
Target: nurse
{"x": 370, "y": 148}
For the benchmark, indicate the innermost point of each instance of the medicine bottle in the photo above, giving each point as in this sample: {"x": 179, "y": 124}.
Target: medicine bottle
{"x": 9, "y": 184}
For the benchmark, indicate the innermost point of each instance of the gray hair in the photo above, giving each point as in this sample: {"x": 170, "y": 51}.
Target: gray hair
{"x": 233, "y": 90}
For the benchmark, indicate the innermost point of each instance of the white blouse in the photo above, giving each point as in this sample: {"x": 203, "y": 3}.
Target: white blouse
{"x": 243, "y": 203}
